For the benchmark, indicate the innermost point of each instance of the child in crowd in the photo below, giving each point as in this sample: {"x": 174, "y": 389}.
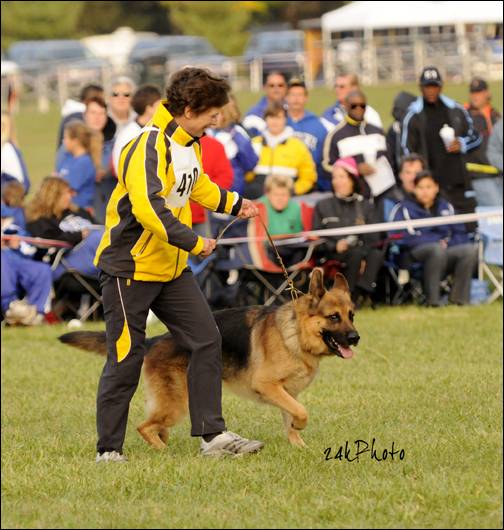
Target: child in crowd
{"x": 442, "y": 249}
{"x": 282, "y": 216}
{"x": 13, "y": 194}
{"x": 347, "y": 209}
{"x": 280, "y": 153}
{"x": 77, "y": 161}
{"x": 26, "y": 284}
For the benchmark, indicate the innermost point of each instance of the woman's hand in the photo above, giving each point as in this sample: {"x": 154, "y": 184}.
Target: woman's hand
{"x": 248, "y": 209}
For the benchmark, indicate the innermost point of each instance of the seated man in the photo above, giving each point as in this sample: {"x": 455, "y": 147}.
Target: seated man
{"x": 443, "y": 249}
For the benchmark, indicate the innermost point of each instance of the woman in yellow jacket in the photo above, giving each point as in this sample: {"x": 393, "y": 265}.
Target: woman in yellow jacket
{"x": 143, "y": 261}
{"x": 280, "y": 153}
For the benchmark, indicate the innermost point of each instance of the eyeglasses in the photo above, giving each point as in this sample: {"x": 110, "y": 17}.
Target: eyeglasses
{"x": 124, "y": 94}
{"x": 280, "y": 85}
{"x": 356, "y": 105}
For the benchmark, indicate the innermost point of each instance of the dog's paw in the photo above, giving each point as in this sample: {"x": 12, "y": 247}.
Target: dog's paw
{"x": 295, "y": 439}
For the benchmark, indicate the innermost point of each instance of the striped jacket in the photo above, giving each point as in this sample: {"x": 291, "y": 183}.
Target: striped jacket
{"x": 148, "y": 224}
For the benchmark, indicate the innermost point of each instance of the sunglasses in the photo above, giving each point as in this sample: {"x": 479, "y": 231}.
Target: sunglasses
{"x": 357, "y": 105}
{"x": 124, "y": 94}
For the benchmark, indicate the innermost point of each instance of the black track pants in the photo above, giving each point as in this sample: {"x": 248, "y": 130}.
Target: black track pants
{"x": 181, "y": 306}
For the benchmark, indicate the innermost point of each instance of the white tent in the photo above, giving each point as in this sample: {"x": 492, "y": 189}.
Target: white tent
{"x": 382, "y": 15}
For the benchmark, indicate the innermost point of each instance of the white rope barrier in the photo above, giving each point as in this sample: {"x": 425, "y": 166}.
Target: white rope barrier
{"x": 302, "y": 237}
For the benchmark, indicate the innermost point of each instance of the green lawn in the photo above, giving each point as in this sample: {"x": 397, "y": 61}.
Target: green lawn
{"x": 37, "y": 132}
{"x": 427, "y": 380}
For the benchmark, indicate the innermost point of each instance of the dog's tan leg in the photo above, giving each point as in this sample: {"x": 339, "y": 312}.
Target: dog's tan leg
{"x": 166, "y": 405}
{"x": 292, "y": 434}
{"x": 150, "y": 431}
{"x": 277, "y": 395}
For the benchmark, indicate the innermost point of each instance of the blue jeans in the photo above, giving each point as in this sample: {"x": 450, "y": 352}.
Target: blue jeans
{"x": 488, "y": 191}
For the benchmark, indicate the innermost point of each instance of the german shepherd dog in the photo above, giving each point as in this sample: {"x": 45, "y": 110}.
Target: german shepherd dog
{"x": 269, "y": 354}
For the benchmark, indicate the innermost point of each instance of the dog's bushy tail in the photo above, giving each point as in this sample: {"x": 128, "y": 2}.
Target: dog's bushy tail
{"x": 93, "y": 341}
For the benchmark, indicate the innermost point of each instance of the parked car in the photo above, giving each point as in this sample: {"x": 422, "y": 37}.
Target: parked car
{"x": 45, "y": 56}
{"x": 279, "y": 50}
{"x": 149, "y": 58}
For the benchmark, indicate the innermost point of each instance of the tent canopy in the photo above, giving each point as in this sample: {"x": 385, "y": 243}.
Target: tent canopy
{"x": 384, "y": 15}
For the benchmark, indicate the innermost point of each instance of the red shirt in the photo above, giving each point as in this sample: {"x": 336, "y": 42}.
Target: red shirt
{"x": 217, "y": 166}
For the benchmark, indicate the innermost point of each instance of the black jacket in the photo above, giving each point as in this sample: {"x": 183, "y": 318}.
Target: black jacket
{"x": 449, "y": 168}
{"x": 336, "y": 212}
{"x": 68, "y": 228}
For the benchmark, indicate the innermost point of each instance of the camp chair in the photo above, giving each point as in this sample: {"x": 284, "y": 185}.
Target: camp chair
{"x": 71, "y": 282}
{"x": 490, "y": 250}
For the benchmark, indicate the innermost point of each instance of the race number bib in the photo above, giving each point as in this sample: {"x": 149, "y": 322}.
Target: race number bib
{"x": 186, "y": 168}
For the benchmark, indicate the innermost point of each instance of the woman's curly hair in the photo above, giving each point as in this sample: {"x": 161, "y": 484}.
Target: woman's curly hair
{"x": 197, "y": 89}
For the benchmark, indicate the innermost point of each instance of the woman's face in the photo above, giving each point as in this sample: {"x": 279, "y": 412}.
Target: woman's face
{"x": 65, "y": 199}
{"x": 276, "y": 124}
{"x": 120, "y": 99}
{"x": 342, "y": 183}
{"x": 95, "y": 116}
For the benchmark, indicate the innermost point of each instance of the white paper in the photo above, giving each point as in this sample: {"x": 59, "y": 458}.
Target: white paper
{"x": 383, "y": 177}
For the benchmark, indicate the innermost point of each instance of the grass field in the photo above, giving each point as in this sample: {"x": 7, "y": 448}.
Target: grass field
{"x": 427, "y": 380}
{"x": 37, "y": 132}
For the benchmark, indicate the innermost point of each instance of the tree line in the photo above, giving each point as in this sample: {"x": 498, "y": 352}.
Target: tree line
{"x": 226, "y": 25}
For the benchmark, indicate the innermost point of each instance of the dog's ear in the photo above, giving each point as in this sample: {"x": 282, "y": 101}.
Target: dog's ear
{"x": 341, "y": 283}
{"x": 317, "y": 289}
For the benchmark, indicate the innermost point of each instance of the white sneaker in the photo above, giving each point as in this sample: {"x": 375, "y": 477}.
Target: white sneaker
{"x": 20, "y": 312}
{"x": 110, "y": 456}
{"x": 229, "y": 444}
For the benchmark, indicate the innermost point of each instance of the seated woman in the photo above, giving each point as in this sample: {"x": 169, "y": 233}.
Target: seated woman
{"x": 442, "y": 249}
{"x": 348, "y": 208}
{"x": 51, "y": 215}
{"x": 281, "y": 216}
{"x": 280, "y": 153}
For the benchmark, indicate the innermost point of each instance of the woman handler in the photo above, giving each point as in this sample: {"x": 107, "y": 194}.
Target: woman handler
{"x": 143, "y": 258}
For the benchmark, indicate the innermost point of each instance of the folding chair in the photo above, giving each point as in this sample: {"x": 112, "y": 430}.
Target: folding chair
{"x": 71, "y": 280}
{"x": 490, "y": 250}
{"x": 74, "y": 282}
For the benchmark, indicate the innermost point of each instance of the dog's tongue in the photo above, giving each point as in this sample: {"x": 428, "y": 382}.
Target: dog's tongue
{"x": 346, "y": 352}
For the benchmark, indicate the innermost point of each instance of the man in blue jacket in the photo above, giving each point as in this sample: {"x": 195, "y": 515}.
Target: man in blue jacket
{"x": 307, "y": 127}
{"x": 421, "y": 134}
{"x": 275, "y": 88}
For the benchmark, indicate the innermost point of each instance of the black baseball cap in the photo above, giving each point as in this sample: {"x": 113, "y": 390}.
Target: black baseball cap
{"x": 478, "y": 85}
{"x": 430, "y": 76}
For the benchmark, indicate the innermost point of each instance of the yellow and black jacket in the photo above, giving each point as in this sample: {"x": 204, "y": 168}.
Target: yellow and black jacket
{"x": 148, "y": 224}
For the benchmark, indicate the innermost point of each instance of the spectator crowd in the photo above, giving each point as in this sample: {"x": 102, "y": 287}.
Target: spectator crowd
{"x": 340, "y": 169}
